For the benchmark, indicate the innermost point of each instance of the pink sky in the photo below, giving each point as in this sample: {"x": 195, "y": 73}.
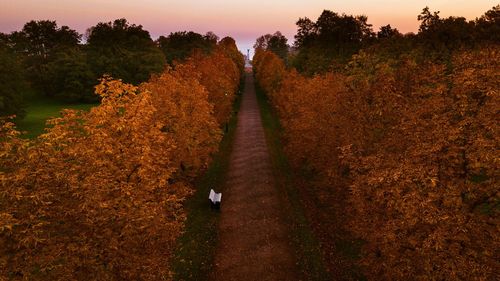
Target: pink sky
{"x": 242, "y": 20}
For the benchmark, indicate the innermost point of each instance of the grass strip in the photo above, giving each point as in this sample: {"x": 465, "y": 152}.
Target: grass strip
{"x": 307, "y": 247}
{"x": 195, "y": 252}
{"x": 40, "y": 109}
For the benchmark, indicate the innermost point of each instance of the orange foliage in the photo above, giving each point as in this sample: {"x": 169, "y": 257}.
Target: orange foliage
{"x": 220, "y": 75}
{"x": 417, "y": 183}
{"x": 418, "y": 148}
{"x": 99, "y": 196}
{"x": 269, "y": 70}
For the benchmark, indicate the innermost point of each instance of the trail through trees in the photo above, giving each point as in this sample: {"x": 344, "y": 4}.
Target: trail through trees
{"x": 254, "y": 242}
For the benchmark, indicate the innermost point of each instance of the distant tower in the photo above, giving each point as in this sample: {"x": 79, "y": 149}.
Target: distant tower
{"x": 248, "y": 54}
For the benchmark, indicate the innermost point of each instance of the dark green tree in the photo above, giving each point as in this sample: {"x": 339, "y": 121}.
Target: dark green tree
{"x": 211, "y": 38}
{"x": 276, "y": 43}
{"x": 71, "y": 76}
{"x": 444, "y": 35}
{"x": 488, "y": 25}
{"x": 428, "y": 19}
{"x": 180, "y": 45}
{"x": 306, "y": 32}
{"x": 330, "y": 41}
{"x": 124, "y": 51}
{"x": 38, "y": 42}
{"x": 42, "y": 38}
{"x": 387, "y": 31}
{"x": 12, "y": 83}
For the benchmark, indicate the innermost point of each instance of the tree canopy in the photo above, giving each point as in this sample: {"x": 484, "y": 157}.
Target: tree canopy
{"x": 180, "y": 45}
{"x": 13, "y": 83}
{"x": 332, "y": 37}
{"x": 276, "y": 43}
{"x": 123, "y": 50}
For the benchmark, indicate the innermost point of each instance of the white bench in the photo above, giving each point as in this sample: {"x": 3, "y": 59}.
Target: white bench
{"x": 215, "y": 199}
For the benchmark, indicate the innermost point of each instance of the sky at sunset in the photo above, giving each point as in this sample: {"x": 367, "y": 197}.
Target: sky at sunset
{"x": 242, "y": 20}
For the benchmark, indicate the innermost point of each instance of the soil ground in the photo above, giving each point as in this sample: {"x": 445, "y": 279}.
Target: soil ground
{"x": 254, "y": 238}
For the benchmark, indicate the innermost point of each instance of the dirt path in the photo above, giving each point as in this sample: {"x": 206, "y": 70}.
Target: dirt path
{"x": 254, "y": 241}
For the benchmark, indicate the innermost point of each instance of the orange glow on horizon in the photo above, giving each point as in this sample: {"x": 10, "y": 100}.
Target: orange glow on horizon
{"x": 242, "y": 20}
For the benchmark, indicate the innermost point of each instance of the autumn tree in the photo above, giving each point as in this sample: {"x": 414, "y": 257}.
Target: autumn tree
{"x": 415, "y": 184}
{"x": 228, "y": 46}
{"x": 220, "y": 73}
{"x": 220, "y": 76}
{"x": 416, "y": 147}
{"x": 269, "y": 70}
{"x": 100, "y": 194}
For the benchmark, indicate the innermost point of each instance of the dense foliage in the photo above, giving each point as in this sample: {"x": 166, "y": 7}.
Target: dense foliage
{"x": 39, "y": 43}
{"x": 50, "y": 61}
{"x": 219, "y": 73}
{"x": 181, "y": 45}
{"x": 415, "y": 145}
{"x": 329, "y": 42}
{"x": 276, "y": 43}
{"x": 123, "y": 50}
{"x": 13, "y": 83}
{"x": 71, "y": 77}
{"x": 332, "y": 38}
{"x": 99, "y": 196}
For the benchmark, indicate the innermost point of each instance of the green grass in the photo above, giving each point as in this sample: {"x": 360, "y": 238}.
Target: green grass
{"x": 39, "y": 110}
{"x": 196, "y": 247}
{"x": 306, "y": 245}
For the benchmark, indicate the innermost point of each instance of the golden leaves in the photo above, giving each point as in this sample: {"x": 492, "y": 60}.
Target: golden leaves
{"x": 419, "y": 147}
{"x": 101, "y": 183}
